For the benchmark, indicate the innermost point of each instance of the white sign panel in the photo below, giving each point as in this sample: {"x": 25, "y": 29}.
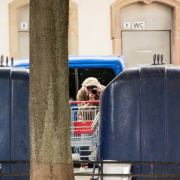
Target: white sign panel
{"x": 126, "y": 25}
{"x": 138, "y": 25}
{"x": 24, "y": 25}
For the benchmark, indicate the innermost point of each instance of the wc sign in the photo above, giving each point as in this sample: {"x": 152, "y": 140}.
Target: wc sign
{"x": 135, "y": 25}
{"x": 138, "y": 25}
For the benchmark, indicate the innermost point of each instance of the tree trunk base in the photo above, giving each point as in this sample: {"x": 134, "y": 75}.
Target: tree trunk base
{"x": 49, "y": 171}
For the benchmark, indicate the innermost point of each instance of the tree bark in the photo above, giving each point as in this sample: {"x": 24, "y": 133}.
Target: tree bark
{"x": 50, "y": 149}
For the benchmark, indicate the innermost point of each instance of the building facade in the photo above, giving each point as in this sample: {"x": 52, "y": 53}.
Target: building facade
{"x": 135, "y": 28}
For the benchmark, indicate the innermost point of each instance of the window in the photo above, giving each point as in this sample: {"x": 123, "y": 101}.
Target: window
{"x": 72, "y": 86}
{"x": 104, "y": 76}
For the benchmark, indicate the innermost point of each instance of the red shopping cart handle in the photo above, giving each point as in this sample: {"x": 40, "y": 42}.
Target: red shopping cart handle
{"x": 79, "y": 102}
{"x": 83, "y": 127}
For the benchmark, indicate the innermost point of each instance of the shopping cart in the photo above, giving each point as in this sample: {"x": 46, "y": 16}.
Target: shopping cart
{"x": 84, "y": 129}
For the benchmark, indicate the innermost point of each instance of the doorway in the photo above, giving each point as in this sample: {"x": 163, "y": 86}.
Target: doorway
{"x": 145, "y": 30}
{"x": 139, "y": 46}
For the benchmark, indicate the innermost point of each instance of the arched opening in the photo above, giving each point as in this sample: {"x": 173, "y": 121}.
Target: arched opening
{"x": 14, "y": 26}
{"x": 19, "y": 28}
{"x": 116, "y": 25}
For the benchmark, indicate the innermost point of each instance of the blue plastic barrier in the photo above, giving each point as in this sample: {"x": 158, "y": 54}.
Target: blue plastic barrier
{"x": 5, "y": 119}
{"x": 140, "y": 119}
{"x": 14, "y": 121}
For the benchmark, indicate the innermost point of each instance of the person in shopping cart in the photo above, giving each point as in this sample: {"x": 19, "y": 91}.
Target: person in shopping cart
{"x": 89, "y": 91}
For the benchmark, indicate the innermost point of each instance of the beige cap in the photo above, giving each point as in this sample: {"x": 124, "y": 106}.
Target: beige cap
{"x": 91, "y": 81}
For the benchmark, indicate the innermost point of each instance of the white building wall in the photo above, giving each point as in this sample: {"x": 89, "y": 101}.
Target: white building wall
{"x": 4, "y": 27}
{"x": 94, "y": 27}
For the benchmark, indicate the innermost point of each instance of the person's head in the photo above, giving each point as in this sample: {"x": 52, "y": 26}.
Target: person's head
{"x": 89, "y": 83}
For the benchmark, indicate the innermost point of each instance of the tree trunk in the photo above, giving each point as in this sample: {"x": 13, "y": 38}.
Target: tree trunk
{"x": 50, "y": 149}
